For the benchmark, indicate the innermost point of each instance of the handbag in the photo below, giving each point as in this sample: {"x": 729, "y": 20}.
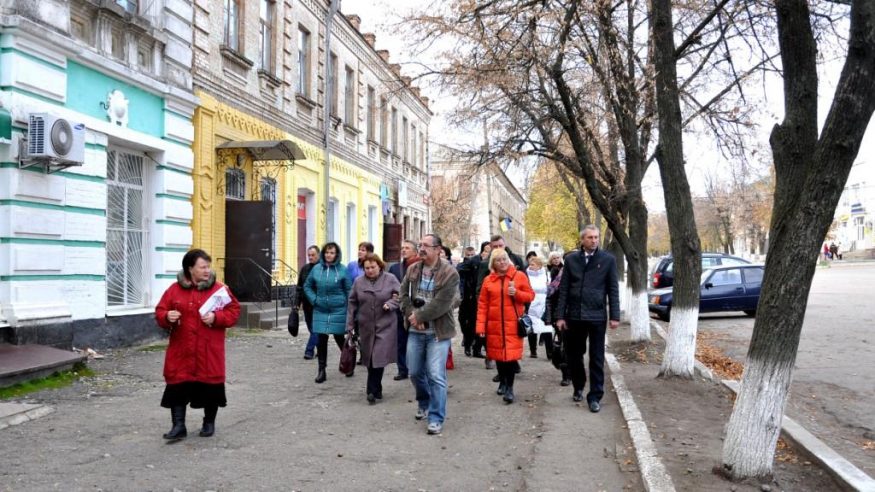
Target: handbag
{"x": 294, "y": 322}
{"x": 523, "y": 323}
{"x": 558, "y": 356}
{"x": 348, "y": 355}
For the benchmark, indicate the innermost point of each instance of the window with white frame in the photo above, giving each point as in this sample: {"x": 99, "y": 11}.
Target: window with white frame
{"x": 404, "y": 147}
{"x": 349, "y": 97}
{"x": 232, "y": 21}
{"x": 351, "y": 236}
{"x": 372, "y": 114}
{"x": 394, "y": 131}
{"x": 333, "y": 220}
{"x": 372, "y": 224}
{"x": 303, "y": 62}
{"x": 266, "y": 19}
{"x": 332, "y": 80}
{"x": 384, "y": 123}
{"x": 125, "y": 229}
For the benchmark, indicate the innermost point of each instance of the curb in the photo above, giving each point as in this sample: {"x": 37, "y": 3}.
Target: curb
{"x": 653, "y": 472}
{"x": 842, "y": 470}
{"x": 19, "y": 413}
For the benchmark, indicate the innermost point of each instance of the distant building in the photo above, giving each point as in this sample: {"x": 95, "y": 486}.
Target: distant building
{"x": 476, "y": 201}
{"x": 855, "y": 214}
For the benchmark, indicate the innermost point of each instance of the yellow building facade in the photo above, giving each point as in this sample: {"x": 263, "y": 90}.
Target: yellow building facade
{"x": 354, "y": 201}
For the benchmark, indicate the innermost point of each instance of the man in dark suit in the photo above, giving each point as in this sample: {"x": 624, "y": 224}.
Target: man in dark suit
{"x": 409, "y": 256}
{"x": 588, "y": 279}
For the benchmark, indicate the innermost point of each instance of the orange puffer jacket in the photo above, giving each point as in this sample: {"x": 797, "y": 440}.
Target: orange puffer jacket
{"x": 496, "y": 317}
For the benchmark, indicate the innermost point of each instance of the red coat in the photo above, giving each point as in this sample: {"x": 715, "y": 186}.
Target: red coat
{"x": 496, "y": 317}
{"x": 196, "y": 352}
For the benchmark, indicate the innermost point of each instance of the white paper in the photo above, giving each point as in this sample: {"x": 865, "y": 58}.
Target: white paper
{"x": 217, "y": 301}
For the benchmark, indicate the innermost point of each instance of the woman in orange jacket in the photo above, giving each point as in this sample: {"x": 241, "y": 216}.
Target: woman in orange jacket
{"x": 503, "y": 298}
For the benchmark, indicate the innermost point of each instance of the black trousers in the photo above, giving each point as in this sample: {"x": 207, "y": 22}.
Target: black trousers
{"x": 575, "y": 346}
{"x": 468, "y": 323}
{"x": 375, "y": 381}
{"x": 322, "y": 347}
{"x": 547, "y": 338}
{"x": 506, "y": 372}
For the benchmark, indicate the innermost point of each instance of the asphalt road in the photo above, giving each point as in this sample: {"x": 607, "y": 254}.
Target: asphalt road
{"x": 281, "y": 431}
{"x": 833, "y": 390}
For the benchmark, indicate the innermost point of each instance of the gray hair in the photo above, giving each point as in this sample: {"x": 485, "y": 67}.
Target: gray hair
{"x": 589, "y": 227}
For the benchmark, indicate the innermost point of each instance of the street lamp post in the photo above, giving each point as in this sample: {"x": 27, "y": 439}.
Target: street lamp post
{"x": 334, "y": 6}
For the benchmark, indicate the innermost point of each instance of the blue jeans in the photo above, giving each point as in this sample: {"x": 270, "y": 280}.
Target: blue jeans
{"x": 427, "y": 362}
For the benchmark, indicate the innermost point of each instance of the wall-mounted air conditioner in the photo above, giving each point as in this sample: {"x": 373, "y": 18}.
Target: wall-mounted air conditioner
{"x": 54, "y": 141}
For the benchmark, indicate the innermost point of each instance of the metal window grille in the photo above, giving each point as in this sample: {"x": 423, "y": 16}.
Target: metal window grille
{"x": 125, "y": 229}
{"x": 268, "y": 194}
{"x": 235, "y": 184}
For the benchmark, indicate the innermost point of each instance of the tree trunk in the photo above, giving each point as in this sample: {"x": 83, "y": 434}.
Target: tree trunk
{"x": 680, "y": 349}
{"x": 636, "y": 276}
{"x": 810, "y": 176}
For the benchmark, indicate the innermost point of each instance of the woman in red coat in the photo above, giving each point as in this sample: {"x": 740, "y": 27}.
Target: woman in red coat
{"x": 503, "y": 297}
{"x": 196, "y": 310}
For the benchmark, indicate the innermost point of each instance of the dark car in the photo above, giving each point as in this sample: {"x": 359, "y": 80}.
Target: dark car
{"x": 726, "y": 288}
{"x": 662, "y": 274}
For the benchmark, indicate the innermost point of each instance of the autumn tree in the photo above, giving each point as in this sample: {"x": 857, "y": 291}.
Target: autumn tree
{"x": 452, "y": 196}
{"x": 811, "y": 168}
{"x": 555, "y": 213}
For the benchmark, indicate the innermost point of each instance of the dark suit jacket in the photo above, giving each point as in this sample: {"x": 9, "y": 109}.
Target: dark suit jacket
{"x": 585, "y": 288}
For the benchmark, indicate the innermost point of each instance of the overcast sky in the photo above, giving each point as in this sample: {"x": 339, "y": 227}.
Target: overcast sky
{"x": 382, "y": 16}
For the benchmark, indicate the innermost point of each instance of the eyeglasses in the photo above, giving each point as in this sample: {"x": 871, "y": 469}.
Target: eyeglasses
{"x": 423, "y": 245}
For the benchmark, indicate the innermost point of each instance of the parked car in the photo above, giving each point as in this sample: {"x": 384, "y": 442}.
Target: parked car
{"x": 726, "y": 288}
{"x": 662, "y": 274}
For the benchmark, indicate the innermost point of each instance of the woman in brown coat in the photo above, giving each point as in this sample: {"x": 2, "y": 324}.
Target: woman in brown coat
{"x": 371, "y": 311}
{"x": 502, "y": 301}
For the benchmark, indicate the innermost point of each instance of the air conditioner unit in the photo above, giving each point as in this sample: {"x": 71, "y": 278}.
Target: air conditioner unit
{"x": 55, "y": 139}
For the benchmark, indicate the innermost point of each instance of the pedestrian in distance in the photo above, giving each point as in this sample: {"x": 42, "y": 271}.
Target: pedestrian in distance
{"x": 371, "y": 309}
{"x": 327, "y": 288}
{"x": 542, "y": 332}
{"x": 467, "y": 289}
{"x": 355, "y": 267}
{"x": 554, "y": 264}
{"x": 589, "y": 288}
{"x": 409, "y": 256}
{"x": 196, "y": 310}
{"x": 833, "y": 251}
{"x": 429, "y": 293}
{"x": 312, "y": 259}
{"x": 503, "y": 296}
{"x": 559, "y": 336}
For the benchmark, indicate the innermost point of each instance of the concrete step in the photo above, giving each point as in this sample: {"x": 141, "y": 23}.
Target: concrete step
{"x": 20, "y": 363}
{"x": 254, "y": 319}
{"x": 19, "y": 413}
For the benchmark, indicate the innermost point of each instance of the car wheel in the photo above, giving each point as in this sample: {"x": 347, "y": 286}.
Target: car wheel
{"x": 666, "y": 316}
{"x": 751, "y": 312}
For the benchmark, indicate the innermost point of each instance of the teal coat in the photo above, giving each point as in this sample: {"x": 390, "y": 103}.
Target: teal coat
{"x": 327, "y": 288}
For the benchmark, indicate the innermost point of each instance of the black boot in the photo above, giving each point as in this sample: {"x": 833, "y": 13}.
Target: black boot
{"x": 508, "y": 394}
{"x": 209, "y": 427}
{"x": 320, "y": 373}
{"x": 177, "y": 416}
{"x": 502, "y": 388}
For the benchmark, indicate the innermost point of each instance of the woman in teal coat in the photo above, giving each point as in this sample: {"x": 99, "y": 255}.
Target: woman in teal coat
{"x": 327, "y": 288}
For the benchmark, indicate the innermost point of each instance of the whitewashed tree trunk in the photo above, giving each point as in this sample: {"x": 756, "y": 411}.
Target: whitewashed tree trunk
{"x": 755, "y": 424}
{"x": 639, "y": 316}
{"x": 680, "y": 350}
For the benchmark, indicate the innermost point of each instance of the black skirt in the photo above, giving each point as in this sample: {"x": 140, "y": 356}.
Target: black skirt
{"x": 198, "y": 395}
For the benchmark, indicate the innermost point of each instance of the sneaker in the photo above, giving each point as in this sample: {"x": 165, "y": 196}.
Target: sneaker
{"x": 308, "y": 355}
{"x": 489, "y": 364}
{"x": 421, "y": 413}
{"x": 435, "y": 428}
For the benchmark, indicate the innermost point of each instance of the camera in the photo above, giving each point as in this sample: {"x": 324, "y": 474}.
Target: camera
{"x": 418, "y": 302}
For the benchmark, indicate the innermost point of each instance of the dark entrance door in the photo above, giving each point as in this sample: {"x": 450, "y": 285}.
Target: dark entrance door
{"x": 392, "y": 235}
{"x": 249, "y": 249}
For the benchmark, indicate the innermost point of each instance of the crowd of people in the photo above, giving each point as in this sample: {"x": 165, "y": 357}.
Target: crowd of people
{"x": 406, "y": 316}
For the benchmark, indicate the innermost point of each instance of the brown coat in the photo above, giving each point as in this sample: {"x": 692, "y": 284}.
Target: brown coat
{"x": 377, "y": 327}
{"x": 445, "y": 298}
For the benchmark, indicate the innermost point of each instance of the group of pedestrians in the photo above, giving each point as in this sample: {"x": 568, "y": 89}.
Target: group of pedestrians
{"x": 406, "y": 316}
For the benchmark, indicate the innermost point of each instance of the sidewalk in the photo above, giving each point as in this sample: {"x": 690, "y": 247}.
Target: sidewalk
{"x": 282, "y": 431}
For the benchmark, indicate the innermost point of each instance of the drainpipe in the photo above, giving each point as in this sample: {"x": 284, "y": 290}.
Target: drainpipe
{"x": 326, "y": 124}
